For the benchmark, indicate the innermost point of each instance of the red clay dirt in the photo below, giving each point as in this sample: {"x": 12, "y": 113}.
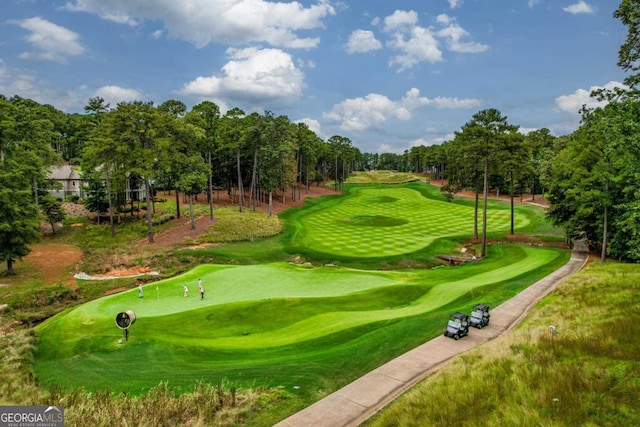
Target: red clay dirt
{"x": 55, "y": 262}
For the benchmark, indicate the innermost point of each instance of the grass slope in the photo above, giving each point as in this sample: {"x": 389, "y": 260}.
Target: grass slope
{"x": 587, "y": 374}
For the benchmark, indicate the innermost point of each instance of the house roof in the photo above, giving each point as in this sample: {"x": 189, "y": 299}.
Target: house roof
{"x": 64, "y": 172}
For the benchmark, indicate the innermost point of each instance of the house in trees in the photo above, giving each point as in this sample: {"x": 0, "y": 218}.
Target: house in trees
{"x": 70, "y": 181}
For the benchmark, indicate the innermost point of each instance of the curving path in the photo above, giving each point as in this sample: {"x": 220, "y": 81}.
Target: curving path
{"x": 358, "y": 401}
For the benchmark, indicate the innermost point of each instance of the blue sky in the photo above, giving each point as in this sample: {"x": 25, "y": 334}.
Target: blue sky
{"x": 389, "y": 75}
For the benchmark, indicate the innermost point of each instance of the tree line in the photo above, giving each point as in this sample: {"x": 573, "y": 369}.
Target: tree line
{"x": 592, "y": 176}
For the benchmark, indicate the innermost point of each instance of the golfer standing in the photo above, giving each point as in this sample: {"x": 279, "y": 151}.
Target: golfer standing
{"x": 140, "y": 293}
{"x": 201, "y": 288}
{"x": 186, "y": 290}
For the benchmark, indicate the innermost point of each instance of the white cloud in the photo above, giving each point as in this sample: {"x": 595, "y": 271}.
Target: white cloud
{"x": 233, "y": 22}
{"x": 455, "y": 3}
{"x": 572, "y": 103}
{"x": 313, "y": 125}
{"x": 156, "y": 34}
{"x": 115, "y": 94}
{"x": 454, "y": 34}
{"x": 580, "y": 7}
{"x": 373, "y": 111}
{"x": 417, "y": 44}
{"x": 532, "y": 3}
{"x": 251, "y": 74}
{"x": 52, "y": 42}
{"x": 400, "y": 19}
{"x": 361, "y": 41}
{"x": 420, "y": 46}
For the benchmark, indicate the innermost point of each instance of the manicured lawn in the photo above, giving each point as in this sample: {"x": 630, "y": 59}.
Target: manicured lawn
{"x": 308, "y": 329}
{"x": 387, "y": 221}
{"x": 274, "y": 310}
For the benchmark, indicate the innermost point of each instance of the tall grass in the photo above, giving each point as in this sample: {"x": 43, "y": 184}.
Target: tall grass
{"x": 232, "y": 226}
{"x": 203, "y": 405}
{"x": 587, "y": 374}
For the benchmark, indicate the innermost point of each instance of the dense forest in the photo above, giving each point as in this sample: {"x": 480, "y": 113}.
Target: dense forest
{"x": 591, "y": 177}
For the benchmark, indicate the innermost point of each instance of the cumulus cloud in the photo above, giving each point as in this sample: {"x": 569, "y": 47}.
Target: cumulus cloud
{"x": 455, "y": 3}
{"x": 455, "y": 35}
{"x": 252, "y": 74}
{"x": 572, "y": 103}
{"x": 400, "y": 19}
{"x": 50, "y": 41}
{"x": 361, "y": 41}
{"x": 115, "y": 94}
{"x": 234, "y": 22}
{"x": 313, "y": 125}
{"x": 373, "y": 111}
{"x": 416, "y": 44}
{"x": 532, "y": 3}
{"x": 580, "y": 7}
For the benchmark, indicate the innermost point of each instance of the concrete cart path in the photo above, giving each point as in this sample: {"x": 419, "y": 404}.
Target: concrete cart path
{"x": 358, "y": 401}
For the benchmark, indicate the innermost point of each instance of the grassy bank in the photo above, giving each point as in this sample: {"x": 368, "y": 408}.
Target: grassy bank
{"x": 587, "y": 374}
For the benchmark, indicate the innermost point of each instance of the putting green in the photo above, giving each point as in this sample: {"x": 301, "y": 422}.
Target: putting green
{"x": 276, "y": 308}
{"x": 383, "y": 222}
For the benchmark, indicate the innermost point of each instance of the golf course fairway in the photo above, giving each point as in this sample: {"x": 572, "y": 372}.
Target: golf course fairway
{"x": 377, "y": 222}
{"x": 255, "y": 318}
{"x": 309, "y": 329}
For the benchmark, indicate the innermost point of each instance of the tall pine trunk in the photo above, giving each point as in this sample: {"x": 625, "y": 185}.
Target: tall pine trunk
{"x": 511, "y": 196}
{"x": 177, "y": 204}
{"x": 113, "y": 226}
{"x": 147, "y": 188}
{"x": 193, "y": 222}
{"x": 210, "y": 186}
{"x": 605, "y": 226}
{"x": 475, "y": 216}
{"x": 240, "y": 187}
{"x": 485, "y": 196}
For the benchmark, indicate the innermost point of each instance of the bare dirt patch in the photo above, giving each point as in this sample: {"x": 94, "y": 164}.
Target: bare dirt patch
{"x": 55, "y": 262}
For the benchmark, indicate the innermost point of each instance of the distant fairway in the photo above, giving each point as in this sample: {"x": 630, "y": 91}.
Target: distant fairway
{"x": 305, "y": 328}
{"x": 382, "y": 222}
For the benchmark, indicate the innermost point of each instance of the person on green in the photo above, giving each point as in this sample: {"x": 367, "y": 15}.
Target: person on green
{"x": 201, "y": 289}
{"x": 140, "y": 293}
